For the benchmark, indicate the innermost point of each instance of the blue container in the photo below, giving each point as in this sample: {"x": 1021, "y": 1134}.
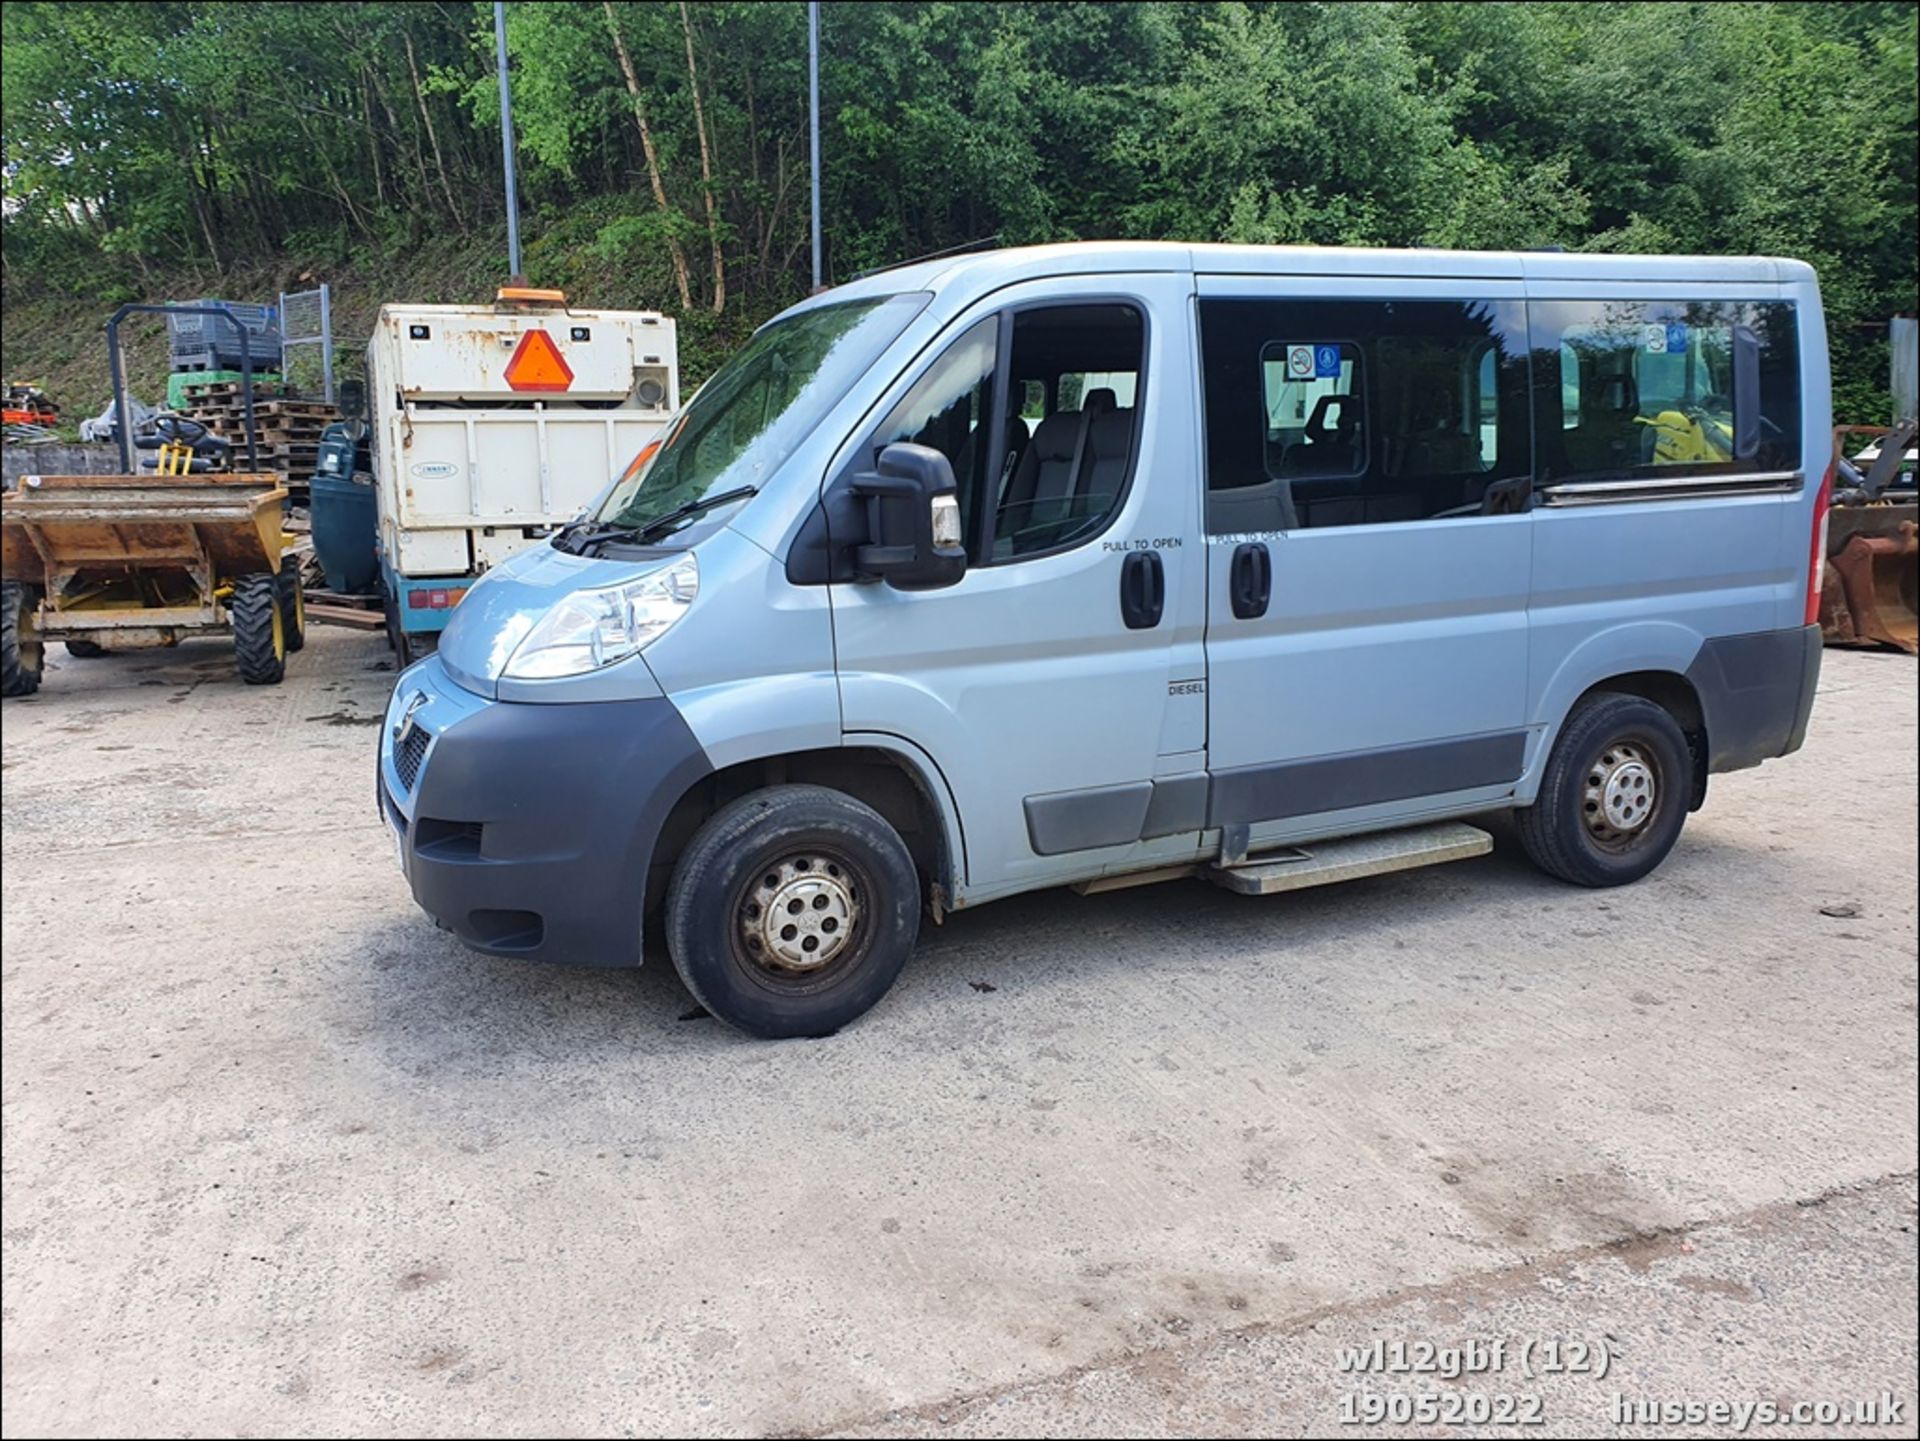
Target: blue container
{"x": 341, "y": 511}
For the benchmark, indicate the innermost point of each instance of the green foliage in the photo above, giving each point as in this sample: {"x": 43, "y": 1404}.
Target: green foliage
{"x": 147, "y": 142}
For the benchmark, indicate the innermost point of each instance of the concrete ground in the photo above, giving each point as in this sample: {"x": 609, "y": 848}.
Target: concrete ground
{"x": 280, "y": 1158}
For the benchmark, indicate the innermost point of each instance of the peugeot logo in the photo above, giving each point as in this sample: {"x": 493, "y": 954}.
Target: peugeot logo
{"x": 404, "y": 728}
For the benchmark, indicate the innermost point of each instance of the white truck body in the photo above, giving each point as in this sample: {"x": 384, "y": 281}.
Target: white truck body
{"x": 470, "y": 469}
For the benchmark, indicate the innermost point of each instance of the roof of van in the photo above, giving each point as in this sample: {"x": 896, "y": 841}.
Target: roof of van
{"x": 1096, "y": 256}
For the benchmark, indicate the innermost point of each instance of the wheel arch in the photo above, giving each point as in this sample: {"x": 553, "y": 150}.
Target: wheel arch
{"x": 895, "y": 778}
{"x": 1649, "y": 659}
{"x": 1677, "y": 696}
{"x": 1672, "y": 692}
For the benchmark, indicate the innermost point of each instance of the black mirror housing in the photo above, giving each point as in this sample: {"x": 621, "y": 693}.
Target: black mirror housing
{"x": 907, "y": 546}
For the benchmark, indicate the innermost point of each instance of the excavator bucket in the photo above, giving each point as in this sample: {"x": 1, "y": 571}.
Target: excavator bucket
{"x": 1871, "y": 595}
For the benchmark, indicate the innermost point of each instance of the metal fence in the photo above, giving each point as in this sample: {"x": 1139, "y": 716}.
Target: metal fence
{"x": 306, "y": 339}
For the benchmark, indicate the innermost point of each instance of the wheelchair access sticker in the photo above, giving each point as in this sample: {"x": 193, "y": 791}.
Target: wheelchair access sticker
{"x": 1326, "y": 362}
{"x": 1665, "y": 339}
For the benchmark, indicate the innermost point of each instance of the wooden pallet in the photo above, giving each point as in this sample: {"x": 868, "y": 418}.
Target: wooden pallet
{"x": 221, "y": 388}
{"x": 312, "y": 410}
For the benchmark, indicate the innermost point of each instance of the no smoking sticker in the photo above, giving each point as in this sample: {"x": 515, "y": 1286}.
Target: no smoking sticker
{"x": 1300, "y": 362}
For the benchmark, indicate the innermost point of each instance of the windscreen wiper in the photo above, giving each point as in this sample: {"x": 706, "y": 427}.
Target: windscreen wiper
{"x": 700, "y": 504}
{"x": 576, "y": 541}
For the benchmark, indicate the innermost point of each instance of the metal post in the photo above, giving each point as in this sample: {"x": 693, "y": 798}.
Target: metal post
{"x": 813, "y": 124}
{"x": 506, "y": 136}
{"x": 122, "y": 424}
{"x": 326, "y": 341}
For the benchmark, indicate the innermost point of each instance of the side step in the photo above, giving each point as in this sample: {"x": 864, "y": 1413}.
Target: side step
{"x": 1323, "y": 862}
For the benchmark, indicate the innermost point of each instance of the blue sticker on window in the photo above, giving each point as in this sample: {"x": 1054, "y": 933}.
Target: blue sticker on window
{"x": 1676, "y": 339}
{"x": 1326, "y": 361}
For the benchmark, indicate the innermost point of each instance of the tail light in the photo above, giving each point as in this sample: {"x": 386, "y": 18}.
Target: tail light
{"x": 1817, "y": 558}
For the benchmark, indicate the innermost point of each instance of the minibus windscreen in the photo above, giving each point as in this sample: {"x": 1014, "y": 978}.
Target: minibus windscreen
{"x": 756, "y": 409}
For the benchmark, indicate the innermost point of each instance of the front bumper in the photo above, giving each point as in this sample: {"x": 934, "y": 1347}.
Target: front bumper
{"x": 529, "y": 829}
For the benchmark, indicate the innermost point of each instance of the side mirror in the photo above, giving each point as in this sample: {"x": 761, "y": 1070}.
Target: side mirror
{"x": 913, "y": 520}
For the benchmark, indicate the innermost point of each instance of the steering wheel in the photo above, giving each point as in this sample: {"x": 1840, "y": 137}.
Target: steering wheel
{"x": 179, "y": 429}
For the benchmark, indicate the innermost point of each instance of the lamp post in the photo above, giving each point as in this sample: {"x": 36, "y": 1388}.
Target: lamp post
{"x": 506, "y": 138}
{"x": 813, "y": 124}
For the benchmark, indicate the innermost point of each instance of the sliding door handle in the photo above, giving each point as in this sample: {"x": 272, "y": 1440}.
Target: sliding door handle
{"x": 1250, "y": 580}
{"x": 1143, "y": 590}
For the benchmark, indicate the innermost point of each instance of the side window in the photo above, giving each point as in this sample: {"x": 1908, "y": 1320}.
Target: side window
{"x": 1060, "y": 467}
{"x": 1348, "y": 412}
{"x": 947, "y": 409}
{"x": 1666, "y": 387}
{"x": 1312, "y": 392}
{"x": 1064, "y": 473}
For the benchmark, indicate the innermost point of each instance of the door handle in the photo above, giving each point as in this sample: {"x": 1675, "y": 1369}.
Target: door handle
{"x": 1250, "y": 580}
{"x": 1143, "y": 590}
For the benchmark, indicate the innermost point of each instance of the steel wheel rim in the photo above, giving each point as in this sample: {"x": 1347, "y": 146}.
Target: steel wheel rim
{"x": 1621, "y": 794}
{"x": 798, "y": 917}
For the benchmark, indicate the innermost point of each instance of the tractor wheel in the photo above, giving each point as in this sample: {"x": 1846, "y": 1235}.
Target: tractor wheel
{"x": 291, "y": 598}
{"x": 21, "y": 654}
{"x": 85, "y": 649}
{"x": 259, "y": 639}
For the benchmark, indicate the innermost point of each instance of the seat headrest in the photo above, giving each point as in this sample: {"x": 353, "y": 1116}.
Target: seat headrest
{"x": 1334, "y": 417}
{"x": 1100, "y": 400}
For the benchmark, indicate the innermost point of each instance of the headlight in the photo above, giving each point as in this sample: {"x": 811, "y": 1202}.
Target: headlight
{"x": 593, "y": 628}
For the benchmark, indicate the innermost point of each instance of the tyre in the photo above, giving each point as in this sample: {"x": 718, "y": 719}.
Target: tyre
{"x": 22, "y": 656}
{"x": 259, "y": 640}
{"x": 1614, "y": 795}
{"x": 792, "y": 911}
{"x": 404, "y": 653}
{"x": 291, "y": 598}
{"x": 85, "y": 649}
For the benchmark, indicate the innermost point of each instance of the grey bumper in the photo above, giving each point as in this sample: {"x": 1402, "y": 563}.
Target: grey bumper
{"x": 529, "y": 830}
{"x": 1756, "y": 692}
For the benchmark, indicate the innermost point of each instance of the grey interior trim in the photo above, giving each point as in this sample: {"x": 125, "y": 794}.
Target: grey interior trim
{"x": 1283, "y": 789}
{"x": 1677, "y": 487}
{"x": 1086, "y": 820}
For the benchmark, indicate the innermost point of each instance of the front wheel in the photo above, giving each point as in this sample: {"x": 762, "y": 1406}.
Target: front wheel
{"x": 792, "y": 911}
{"x": 1614, "y": 794}
{"x": 259, "y": 639}
{"x": 22, "y": 655}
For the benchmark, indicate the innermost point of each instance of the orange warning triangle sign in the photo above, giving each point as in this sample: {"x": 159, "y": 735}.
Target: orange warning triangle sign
{"x": 537, "y": 364}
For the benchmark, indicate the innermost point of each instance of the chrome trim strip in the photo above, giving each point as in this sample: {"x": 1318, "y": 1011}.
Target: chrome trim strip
{"x": 1679, "y": 487}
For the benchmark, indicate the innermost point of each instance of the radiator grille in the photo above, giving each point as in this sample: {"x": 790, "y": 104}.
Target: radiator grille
{"x": 409, "y": 753}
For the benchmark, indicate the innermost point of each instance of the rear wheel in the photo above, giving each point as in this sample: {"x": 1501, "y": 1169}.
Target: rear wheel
{"x": 86, "y": 649}
{"x": 292, "y": 601}
{"x": 22, "y": 656}
{"x": 792, "y": 911}
{"x": 1614, "y": 795}
{"x": 406, "y": 648}
{"x": 259, "y": 640}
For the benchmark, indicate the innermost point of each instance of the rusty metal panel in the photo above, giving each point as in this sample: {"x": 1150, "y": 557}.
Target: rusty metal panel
{"x": 206, "y": 526}
{"x": 462, "y": 352}
{"x": 1873, "y": 573}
